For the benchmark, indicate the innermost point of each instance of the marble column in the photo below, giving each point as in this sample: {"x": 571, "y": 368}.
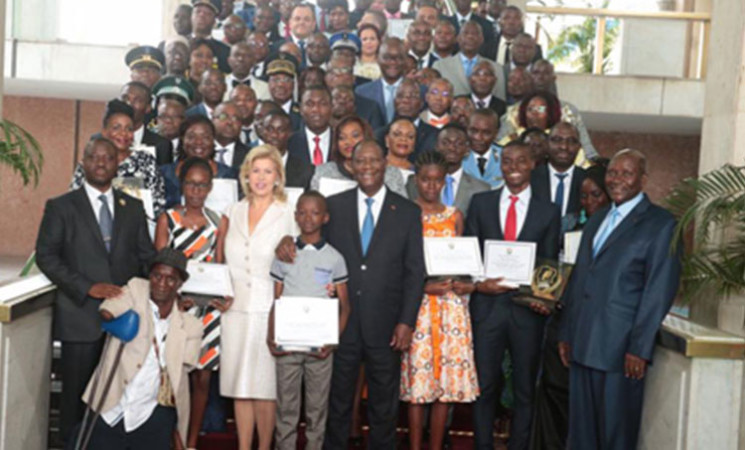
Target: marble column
{"x": 2, "y": 52}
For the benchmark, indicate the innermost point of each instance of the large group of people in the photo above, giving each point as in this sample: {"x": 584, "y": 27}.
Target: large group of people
{"x": 448, "y": 126}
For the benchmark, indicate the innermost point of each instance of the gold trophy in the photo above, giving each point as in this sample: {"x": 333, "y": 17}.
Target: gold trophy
{"x": 549, "y": 281}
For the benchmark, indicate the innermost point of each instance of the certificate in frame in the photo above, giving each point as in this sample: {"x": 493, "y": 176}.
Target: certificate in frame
{"x": 306, "y": 323}
{"x": 513, "y": 261}
{"x": 453, "y": 256}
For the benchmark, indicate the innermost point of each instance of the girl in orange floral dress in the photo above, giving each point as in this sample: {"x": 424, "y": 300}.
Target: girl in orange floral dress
{"x": 439, "y": 367}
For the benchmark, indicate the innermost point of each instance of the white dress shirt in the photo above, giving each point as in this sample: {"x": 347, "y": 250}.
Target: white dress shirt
{"x": 502, "y": 50}
{"x": 137, "y": 137}
{"x": 385, "y": 89}
{"x": 324, "y": 143}
{"x": 93, "y": 195}
{"x": 287, "y": 106}
{"x": 457, "y": 175}
{"x": 521, "y": 207}
{"x": 208, "y": 109}
{"x": 376, "y": 207}
{"x": 462, "y": 19}
{"x": 486, "y": 100}
{"x": 140, "y": 398}
{"x": 229, "y": 154}
{"x": 555, "y": 183}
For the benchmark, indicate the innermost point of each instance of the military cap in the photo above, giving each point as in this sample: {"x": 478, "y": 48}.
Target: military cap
{"x": 280, "y": 65}
{"x": 177, "y": 86}
{"x": 345, "y": 39}
{"x": 145, "y": 54}
{"x": 214, "y": 5}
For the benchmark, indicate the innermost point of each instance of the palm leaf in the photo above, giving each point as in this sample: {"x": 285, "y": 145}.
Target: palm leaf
{"x": 20, "y": 152}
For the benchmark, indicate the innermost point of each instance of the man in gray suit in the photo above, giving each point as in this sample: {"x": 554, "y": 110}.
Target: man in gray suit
{"x": 458, "y": 68}
{"x": 452, "y": 143}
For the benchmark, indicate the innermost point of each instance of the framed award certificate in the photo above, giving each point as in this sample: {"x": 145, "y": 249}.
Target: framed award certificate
{"x": 453, "y": 256}
{"x": 208, "y": 279}
{"x": 511, "y": 260}
{"x": 306, "y": 323}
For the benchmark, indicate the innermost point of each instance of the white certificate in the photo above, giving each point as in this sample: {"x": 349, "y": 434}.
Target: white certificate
{"x": 306, "y": 322}
{"x": 331, "y": 186}
{"x": 453, "y": 256}
{"x": 571, "y": 246}
{"x": 208, "y": 279}
{"x": 293, "y": 195}
{"x": 223, "y": 194}
{"x": 511, "y": 260}
{"x": 398, "y": 27}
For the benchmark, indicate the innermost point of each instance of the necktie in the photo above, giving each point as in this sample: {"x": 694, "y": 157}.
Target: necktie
{"x": 559, "y": 197}
{"x": 236, "y": 82}
{"x": 389, "y": 105}
{"x": 368, "y": 225}
{"x": 246, "y": 135}
{"x": 302, "y": 49}
{"x": 221, "y": 155}
{"x": 469, "y": 66}
{"x": 322, "y": 24}
{"x": 480, "y": 104}
{"x": 507, "y": 52}
{"x": 610, "y": 226}
{"x": 510, "y": 224}
{"x": 482, "y": 164}
{"x": 447, "y": 193}
{"x": 317, "y": 153}
{"x": 105, "y": 222}
{"x": 462, "y": 22}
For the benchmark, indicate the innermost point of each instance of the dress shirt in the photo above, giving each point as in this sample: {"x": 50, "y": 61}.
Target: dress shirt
{"x": 385, "y": 89}
{"x": 137, "y": 136}
{"x": 420, "y": 62}
{"x": 174, "y": 145}
{"x": 140, "y": 398}
{"x": 486, "y": 100}
{"x": 389, "y": 16}
{"x": 93, "y": 195}
{"x": 258, "y": 69}
{"x": 555, "y": 183}
{"x": 376, "y": 207}
{"x": 229, "y": 153}
{"x": 462, "y": 19}
{"x": 287, "y": 106}
{"x": 232, "y": 78}
{"x": 521, "y": 207}
{"x": 623, "y": 210}
{"x": 502, "y": 50}
{"x": 464, "y": 61}
{"x": 284, "y": 158}
{"x": 457, "y": 175}
{"x": 324, "y": 143}
{"x": 208, "y": 109}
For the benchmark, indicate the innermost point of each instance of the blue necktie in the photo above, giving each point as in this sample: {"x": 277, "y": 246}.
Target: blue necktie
{"x": 105, "y": 222}
{"x": 368, "y": 225}
{"x": 610, "y": 226}
{"x": 302, "y": 51}
{"x": 469, "y": 67}
{"x": 447, "y": 193}
{"x": 559, "y": 197}
{"x": 390, "y": 109}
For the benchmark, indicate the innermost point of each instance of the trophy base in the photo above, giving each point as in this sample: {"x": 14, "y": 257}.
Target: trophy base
{"x": 527, "y": 299}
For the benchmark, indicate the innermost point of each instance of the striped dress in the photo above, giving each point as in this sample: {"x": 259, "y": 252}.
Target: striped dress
{"x": 200, "y": 245}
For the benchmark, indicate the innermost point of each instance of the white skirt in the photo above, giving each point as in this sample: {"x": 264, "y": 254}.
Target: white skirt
{"x": 246, "y": 365}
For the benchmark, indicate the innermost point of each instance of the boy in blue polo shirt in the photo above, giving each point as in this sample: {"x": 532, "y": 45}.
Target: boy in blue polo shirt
{"x": 318, "y": 268}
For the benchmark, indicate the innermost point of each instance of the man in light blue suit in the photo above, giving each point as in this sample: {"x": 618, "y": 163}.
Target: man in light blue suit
{"x": 383, "y": 90}
{"x": 622, "y": 286}
{"x": 482, "y": 161}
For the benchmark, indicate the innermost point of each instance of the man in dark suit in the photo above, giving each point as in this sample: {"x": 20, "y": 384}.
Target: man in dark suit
{"x": 419, "y": 38}
{"x": 621, "y": 288}
{"x": 312, "y": 143}
{"x": 229, "y": 149}
{"x": 560, "y": 180}
{"x": 139, "y": 97}
{"x": 383, "y": 91}
{"x": 452, "y": 143}
{"x": 482, "y": 81}
{"x": 510, "y": 25}
{"x": 276, "y": 130}
{"x": 281, "y": 77}
{"x": 212, "y": 87}
{"x": 463, "y": 14}
{"x": 203, "y": 19}
{"x": 91, "y": 241}
{"x": 408, "y": 103}
{"x": 510, "y": 213}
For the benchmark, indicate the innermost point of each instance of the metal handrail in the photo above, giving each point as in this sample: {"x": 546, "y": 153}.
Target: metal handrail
{"x": 698, "y": 50}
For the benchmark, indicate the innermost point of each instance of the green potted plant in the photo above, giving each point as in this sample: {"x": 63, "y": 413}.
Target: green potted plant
{"x": 711, "y": 211}
{"x": 20, "y": 152}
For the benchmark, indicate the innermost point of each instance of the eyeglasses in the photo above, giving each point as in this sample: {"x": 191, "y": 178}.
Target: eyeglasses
{"x": 436, "y": 91}
{"x": 540, "y": 109}
{"x": 225, "y": 117}
{"x": 195, "y": 185}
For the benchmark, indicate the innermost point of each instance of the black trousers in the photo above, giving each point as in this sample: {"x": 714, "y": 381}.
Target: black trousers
{"x": 155, "y": 434}
{"x": 383, "y": 374}
{"x": 519, "y": 330}
{"x": 78, "y": 361}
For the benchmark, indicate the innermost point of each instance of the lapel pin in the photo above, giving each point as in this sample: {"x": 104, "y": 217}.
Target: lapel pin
{"x": 393, "y": 207}
{"x": 122, "y": 202}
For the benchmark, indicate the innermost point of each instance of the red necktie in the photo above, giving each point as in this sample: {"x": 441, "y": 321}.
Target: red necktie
{"x": 317, "y": 153}
{"x": 510, "y": 225}
{"x": 323, "y": 20}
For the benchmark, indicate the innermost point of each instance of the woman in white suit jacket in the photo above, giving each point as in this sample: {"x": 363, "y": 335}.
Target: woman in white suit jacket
{"x": 256, "y": 225}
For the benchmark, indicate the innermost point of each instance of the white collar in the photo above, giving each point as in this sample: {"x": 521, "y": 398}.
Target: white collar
{"x": 378, "y": 197}
{"x": 569, "y": 172}
{"x": 94, "y": 193}
{"x": 467, "y": 17}
{"x": 137, "y": 137}
{"x": 522, "y": 197}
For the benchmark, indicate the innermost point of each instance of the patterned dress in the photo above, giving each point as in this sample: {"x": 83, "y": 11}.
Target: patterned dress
{"x": 439, "y": 365}
{"x": 199, "y": 245}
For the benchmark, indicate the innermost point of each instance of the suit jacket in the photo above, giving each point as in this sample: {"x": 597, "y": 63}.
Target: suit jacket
{"x": 541, "y": 185}
{"x": 467, "y": 187}
{"x": 452, "y": 69}
{"x": 181, "y": 352}
{"x": 222, "y": 52}
{"x": 298, "y": 146}
{"x": 493, "y": 172}
{"x": 373, "y": 91}
{"x": 488, "y": 49}
{"x": 426, "y": 138}
{"x": 296, "y": 120}
{"x": 541, "y": 226}
{"x": 239, "y": 154}
{"x": 386, "y": 285}
{"x": 497, "y": 105}
{"x": 163, "y": 147}
{"x": 498, "y": 38}
{"x": 298, "y": 172}
{"x": 368, "y": 110}
{"x": 70, "y": 251}
{"x": 616, "y": 301}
